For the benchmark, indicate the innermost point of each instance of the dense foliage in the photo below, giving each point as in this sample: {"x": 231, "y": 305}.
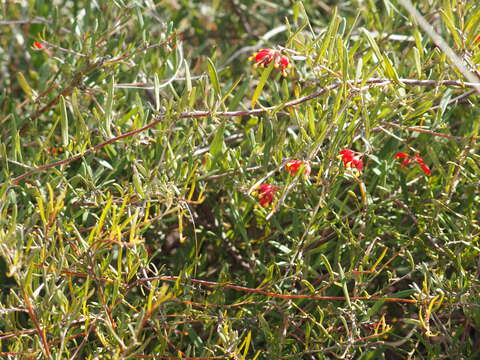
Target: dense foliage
{"x": 243, "y": 179}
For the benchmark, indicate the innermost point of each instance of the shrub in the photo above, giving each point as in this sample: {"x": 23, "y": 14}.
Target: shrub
{"x": 163, "y": 196}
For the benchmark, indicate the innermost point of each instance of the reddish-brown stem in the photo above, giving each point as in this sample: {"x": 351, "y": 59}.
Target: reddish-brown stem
{"x": 281, "y": 296}
{"x": 425, "y": 131}
{"x": 213, "y": 284}
{"x": 40, "y": 331}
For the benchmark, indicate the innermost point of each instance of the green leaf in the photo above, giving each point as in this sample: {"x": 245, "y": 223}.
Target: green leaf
{"x": 212, "y": 73}
{"x": 26, "y": 86}
{"x": 447, "y": 16}
{"x": 156, "y": 89}
{"x": 390, "y": 70}
{"x": 373, "y": 44}
{"x": 105, "y": 164}
{"x": 261, "y": 83}
{"x": 4, "y": 156}
{"x": 309, "y": 286}
{"x": 82, "y": 128}
{"x": 246, "y": 344}
{"x": 238, "y": 95}
{"x": 328, "y": 37}
{"x": 188, "y": 78}
{"x": 418, "y": 64}
{"x": 216, "y": 147}
{"x": 137, "y": 182}
{"x": 385, "y": 61}
{"x": 109, "y": 107}
{"x": 231, "y": 89}
{"x": 328, "y": 266}
{"x": 64, "y": 121}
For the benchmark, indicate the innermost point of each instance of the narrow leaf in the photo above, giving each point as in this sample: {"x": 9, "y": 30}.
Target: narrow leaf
{"x": 188, "y": 78}
{"x": 212, "y": 73}
{"x": 156, "y": 89}
{"x": 25, "y": 86}
{"x": 109, "y": 107}
{"x": 261, "y": 84}
{"x": 216, "y": 146}
{"x": 247, "y": 344}
{"x": 64, "y": 121}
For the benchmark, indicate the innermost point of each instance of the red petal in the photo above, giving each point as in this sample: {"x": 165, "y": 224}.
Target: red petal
{"x": 38, "y": 45}
{"x": 400, "y": 155}
{"x": 265, "y": 201}
{"x": 358, "y": 164}
{"x": 419, "y": 159}
{"x": 266, "y": 189}
{"x": 264, "y": 56}
{"x": 284, "y": 62}
{"x": 406, "y": 161}
{"x": 266, "y": 193}
{"x": 347, "y": 156}
{"x": 426, "y": 169}
{"x": 351, "y": 159}
{"x": 292, "y": 166}
{"x": 347, "y": 152}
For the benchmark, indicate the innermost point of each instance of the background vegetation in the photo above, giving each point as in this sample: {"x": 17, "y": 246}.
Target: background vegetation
{"x": 130, "y": 156}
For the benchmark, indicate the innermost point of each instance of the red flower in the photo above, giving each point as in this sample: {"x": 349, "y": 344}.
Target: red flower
{"x": 37, "y": 45}
{"x": 419, "y": 159}
{"x": 426, "y": 169}
{"x": 351, "y": 160}
{"x": 422, "y": 164}
{"x": 404, "y": 157}
{"x": 265, "y": 56}
{"x": 265, "y": 193}
{"x": 407, "y": 159}
{"x": 293, "y": 166}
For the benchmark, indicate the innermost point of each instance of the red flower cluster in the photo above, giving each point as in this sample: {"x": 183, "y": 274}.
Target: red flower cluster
{"x": 265, "y": 193}
{"x": 37, "y": 45}
{"x": 265, "y": 56}
{"x": 407, "y": 159}
{"x": 293, "y": 166}
{"x": 352, "y": 160}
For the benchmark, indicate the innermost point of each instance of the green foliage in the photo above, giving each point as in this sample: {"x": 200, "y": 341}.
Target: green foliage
{"x": 132, "y": 145}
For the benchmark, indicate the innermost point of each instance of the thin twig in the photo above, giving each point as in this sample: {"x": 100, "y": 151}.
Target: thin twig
{"x": 212, "y": 284}
{"x": 455, "y": 100}
{"x": 425, "y": 131}
{"x": 37, "y": 20}
{"x": 50, "y": 45}
{"x": 40, "y": 331}
{"x": 276, "y": 295}
{"x": 20, "y": 164}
